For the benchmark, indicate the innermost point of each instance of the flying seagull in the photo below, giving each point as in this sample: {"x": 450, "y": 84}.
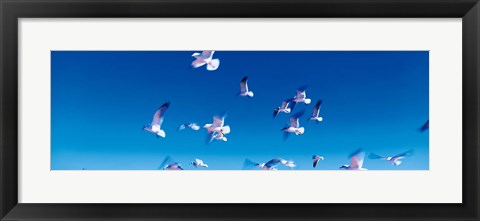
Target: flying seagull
{"x": 302, "y": 96}
{"x": 395, "y": 160}
{"x": 169, "y": 164}
{"x": 206, "y": 57}
{"x": 316, "y": 112}
{"x": 356, "y": 161}
{"x": 199, "y": 163}
{"x": 193, "y": 126}
{"x": 316, "y": 158}
{"x": 294, "y": 126}
{"x": 155, "y": 126}
{"x": 217, "y": 129}
{"x": 425, "y": 126}
{"x": 285, "y": 108}
{"x": 270, "y": 165}
{"x": 244, "y": 92}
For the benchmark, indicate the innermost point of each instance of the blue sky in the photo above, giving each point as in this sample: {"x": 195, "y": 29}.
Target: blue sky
{"x": 375, "y": 100}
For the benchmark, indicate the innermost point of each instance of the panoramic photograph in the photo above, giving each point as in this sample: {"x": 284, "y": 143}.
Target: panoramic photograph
{"x": 240, "y": 110}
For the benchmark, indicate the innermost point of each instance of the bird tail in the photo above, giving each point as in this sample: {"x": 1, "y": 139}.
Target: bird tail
{"x": 308, "y": 101}
{"x": 213, "y": 65}
{"x": 301, "y": 130}
{"x": 250, "y": 94}
{"x": 396, "y": 163}
{"x": 161, "y": 133}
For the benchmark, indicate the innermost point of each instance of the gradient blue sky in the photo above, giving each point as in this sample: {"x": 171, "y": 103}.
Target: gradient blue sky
{"x": 375, "y": 100}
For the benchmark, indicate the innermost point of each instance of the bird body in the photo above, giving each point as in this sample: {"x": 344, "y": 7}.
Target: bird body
{"x": 193, "y": 126}
{"x": 155, "y": 126}
{"x": 294, "y": 126}
{"x": 316, "y": 159}
{"x": 173, "y": 166}
{"x": 395, "y": 160}
{"x": 244, "y": 92}
{"x": 301, "y": 96}
{"x": 285, "y": 108}
{"x": 199, "y": 163}
{"x": 206, "y": 57}
{"x": 316, "y": 112}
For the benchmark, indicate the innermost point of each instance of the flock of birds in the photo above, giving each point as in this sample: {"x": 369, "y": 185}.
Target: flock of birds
{"x": 217, "y": 130}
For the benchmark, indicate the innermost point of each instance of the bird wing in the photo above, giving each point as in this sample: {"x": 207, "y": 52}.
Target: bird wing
{"x": 404, "y": 154}
{"x": 218, "y": 121}
{"x": 285, "y": 104}
{"x": 315, "y": 161}
{"x": 243, "y": 85}
{"x": 375, "y": 156}
{"x": 273, "y": 162}
{"x": 198, "y": 63}
{"x": 301, "y": 91}
{"x": 356, "y": 159}
{"x": 316, "y": 109}
{"x": 199, "y": 162}
{"x": 158, "y": 116}
{"x": 248, "y": 164}
{"x": 166, "y": 161}
{"x": 425, "y": 126}
{"x": 294, "y": 122}
{"x": 292, "y": 104}
{"x": 207, "y": 54}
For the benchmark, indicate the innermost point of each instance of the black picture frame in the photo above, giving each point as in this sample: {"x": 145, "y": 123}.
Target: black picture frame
{"x": 12, "y": 10}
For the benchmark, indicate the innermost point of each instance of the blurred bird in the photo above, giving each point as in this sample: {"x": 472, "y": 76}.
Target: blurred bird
{"x": 169, "y": 164}
{"x": 155, "y": 126}
{"x": 193, "y": 126}
{"x": 395, "y": 160}
{"x": 244, "y": 92}
{"x": 294, "y": 126}
{"x": 199, "y": 163}
{"x": 217, "y": 130}
{"x": 425, "y": 126}
{"x": 270, "y": 165}
{"x": 356, "y": 161}
{"x": 316, "y": 158}
{"x": 302, "y": 96}
{"x": 285, "y": 108}
{"x": 205, "y": 58}
{"x": 316, "y": 112}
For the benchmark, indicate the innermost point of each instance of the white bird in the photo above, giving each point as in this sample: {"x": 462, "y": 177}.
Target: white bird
{"x": 199, "y": 163}
{"x": 244, "y": 92}
{"x": 356, "y": 161}
{"x": 395, "y": 160}
{"x": 316, "y": 159}
{"x": 294, "y": 126}
{"x": 270, "y": 165}
{"x": 217, "y": 129}
{"x": 285, "y": 108}
{"x": 193, "y": 126}
{"x": 206, "y": 57}
{"x": 155, "y": 126}
{"x": 302, "y": 96}
{"x": 316, "y": 112}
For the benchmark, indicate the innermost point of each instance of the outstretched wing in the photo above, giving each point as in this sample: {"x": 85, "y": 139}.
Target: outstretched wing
{"x": 207, "y": 54}
{"x": 218, "y": 121}
{"x": 316, "y": 109}
{"x": 166, "y": 161}
{"x": 301, "y": 91}
{"x": 404, "y": 154}
{"x": 375, "y": 156}
{"x": 248, "y": 164}
{"x": 425, "y": 126}
{"x": 273, "y": 162}
{"x": 158, "y": 116}
{"x": 243, "y": 85}
{"x": 294, "y": 122}
{"x": 356, "y": 159}
{"x": 198, "y": 63}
